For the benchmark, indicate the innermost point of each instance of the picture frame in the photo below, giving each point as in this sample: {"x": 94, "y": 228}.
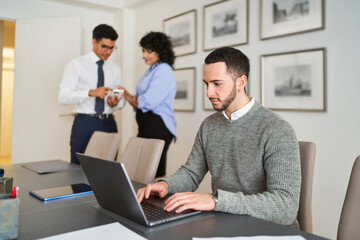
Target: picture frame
{"x": 294, "y": 81}
{"x": 185, "y": 94}
{"x": 225, "y": 23}
{"x": 280, "y": 18}
{"x": 182, "y": 31}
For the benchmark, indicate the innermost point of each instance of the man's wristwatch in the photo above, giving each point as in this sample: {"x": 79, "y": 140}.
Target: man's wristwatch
{"x": 214, "y": 196}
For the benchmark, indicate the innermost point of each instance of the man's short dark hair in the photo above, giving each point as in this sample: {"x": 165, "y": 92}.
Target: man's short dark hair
{"x": 104, "y": 31}
{"x": 161, "y": 44}
{"x": 236, "y": 62}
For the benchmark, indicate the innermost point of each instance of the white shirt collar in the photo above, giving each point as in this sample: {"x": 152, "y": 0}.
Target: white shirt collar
{"x": 241, "y": 112}
{"x": 94, "y": 57}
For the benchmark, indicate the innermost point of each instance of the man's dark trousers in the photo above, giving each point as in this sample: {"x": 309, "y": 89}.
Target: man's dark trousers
{"x": 82, "y": 129}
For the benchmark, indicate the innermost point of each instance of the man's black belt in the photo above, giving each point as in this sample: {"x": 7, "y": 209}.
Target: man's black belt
{"x": 99, "y": 116}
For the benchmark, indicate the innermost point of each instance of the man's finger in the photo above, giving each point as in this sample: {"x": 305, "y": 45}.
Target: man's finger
{"x": 148, "y": 190}
{"x": 140, "y": 194}
{"x": 176, "y": 201}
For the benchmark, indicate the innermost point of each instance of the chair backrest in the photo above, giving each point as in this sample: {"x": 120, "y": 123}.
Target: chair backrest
{"x": 350, "y": 213}
{"x": 141, "y": 158}
{"x": 307, "y": 159}
{"x": 103, "y": 145}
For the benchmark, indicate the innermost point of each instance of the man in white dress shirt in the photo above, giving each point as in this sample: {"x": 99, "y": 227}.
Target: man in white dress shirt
{"x": 87, "y": 82}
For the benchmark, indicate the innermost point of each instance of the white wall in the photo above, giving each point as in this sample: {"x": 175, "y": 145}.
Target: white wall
{"x": 335, "y": 132}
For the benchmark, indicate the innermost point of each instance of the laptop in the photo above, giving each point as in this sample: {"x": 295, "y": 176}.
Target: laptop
{"x": 114, "y": 191}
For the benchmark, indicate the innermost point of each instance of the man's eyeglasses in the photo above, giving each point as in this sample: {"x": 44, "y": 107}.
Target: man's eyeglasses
{"x": 105, "y": 47}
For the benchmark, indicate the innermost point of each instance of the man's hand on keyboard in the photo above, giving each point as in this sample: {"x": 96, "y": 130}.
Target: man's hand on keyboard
{"x": 159, "y": 188}
{"x": 190, "y": 200}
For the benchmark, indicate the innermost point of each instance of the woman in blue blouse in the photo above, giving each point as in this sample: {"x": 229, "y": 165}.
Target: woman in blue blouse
{"x": 155, "y": 93}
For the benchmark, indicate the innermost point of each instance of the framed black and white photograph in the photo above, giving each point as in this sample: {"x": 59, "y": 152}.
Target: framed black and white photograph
{"x": 225, "y": 24}
{"x": 182, "y": 31}
{"x": 185, "y": 93}
{"x": 286, "y": 17}
{"x": 294, "y": 81}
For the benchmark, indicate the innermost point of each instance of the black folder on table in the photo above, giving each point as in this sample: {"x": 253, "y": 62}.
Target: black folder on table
{"x": 51, "y": 166}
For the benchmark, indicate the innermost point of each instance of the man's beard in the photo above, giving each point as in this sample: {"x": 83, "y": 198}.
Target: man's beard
{"x": 228, "y": 100}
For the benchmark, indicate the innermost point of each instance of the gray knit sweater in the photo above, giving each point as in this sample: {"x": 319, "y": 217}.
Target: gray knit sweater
{"x": 254, "y": 164}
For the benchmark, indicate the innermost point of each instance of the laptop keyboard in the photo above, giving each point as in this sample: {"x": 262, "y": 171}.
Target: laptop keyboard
{"x": 153, "y": 212}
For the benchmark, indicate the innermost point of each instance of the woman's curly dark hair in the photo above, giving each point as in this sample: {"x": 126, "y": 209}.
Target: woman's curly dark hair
{"x": 161, "y": 44}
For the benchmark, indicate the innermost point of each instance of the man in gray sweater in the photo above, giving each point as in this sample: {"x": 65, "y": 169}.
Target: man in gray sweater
{"x": 251, "y": 152}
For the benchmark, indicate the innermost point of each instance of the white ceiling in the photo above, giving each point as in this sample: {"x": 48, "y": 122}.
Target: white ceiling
{"x": 105, "y": 5}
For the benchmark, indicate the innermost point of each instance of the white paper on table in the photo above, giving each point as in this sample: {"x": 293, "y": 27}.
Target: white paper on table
{"x": 108, "y": 231}
{"x": 297, "y": 237}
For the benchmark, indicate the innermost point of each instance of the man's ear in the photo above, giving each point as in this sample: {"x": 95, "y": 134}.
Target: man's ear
{"x": 241, "y": 83}
{"x": 94, "y": 42}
